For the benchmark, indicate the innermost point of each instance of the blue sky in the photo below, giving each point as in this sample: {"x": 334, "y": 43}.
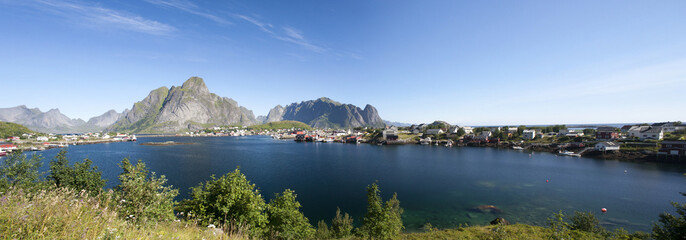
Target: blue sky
{"x": 465, "y": 62}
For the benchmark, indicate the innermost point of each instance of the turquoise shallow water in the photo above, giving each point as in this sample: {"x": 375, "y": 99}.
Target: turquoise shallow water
{"x": 434, "y": 184}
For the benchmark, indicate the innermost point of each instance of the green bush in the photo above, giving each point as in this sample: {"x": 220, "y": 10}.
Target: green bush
{"x": 143, "y": 198}
{"x": 322, "y": 230}
{"x": 559, "y": 227}
{"x": 79, "y": 177}
{"x": 16, "y": 171}
{"x": 671, "y": 226}
{"x": 341, "y": 225}
{"x": 586, "y": 221}
{"x": 381, "y": 221}
{"x": 285, "y": 219}
{"x": 231, "y": 198}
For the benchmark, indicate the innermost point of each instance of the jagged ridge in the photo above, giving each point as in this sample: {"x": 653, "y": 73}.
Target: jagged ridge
{"x": 327, "y": 113}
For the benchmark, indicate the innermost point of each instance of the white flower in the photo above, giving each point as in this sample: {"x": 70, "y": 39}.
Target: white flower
{"x": 211, "y": 226}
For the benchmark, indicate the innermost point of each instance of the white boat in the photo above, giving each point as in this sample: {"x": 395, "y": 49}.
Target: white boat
{"x": 568, "y": 153}
{"x": 517, "y": 148}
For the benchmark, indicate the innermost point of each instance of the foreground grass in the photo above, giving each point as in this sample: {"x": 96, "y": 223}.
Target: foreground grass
{"x": 65, "y": 214}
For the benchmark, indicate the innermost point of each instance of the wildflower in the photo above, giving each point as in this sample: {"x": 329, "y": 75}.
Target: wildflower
{"x": 211, "y": 226}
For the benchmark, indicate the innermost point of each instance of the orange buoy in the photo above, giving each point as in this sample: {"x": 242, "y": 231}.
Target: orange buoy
{"x": 603, "y": 209}
{"x": 546, "y": 180}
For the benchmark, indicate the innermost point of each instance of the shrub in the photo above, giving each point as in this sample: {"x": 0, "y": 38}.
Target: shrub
{"x": 559, "y": 228}
{"x": 80, "y": 177}
{"x": 16, "y": 171}
{"x": 381, "y": 221}
{"x": 341, "y": 225}
{"x": 671, "y": 226}
{"x": 230, "y": 198}
{"x": 285, "y": 219}
{"x": 143, "y": 198}
{"x": 322, "y": 230}
{"x": 586, "y": 221}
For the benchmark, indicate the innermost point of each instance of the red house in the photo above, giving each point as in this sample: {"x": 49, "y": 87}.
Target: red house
{"x": 673, "y": 148}
{"x": 606, "y": 133}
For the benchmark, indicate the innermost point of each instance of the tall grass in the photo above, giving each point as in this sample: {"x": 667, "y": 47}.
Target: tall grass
{"x": 67, "y": 214}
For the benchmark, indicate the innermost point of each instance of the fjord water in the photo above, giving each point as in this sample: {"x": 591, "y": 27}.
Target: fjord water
{"x": 435, "y": 184}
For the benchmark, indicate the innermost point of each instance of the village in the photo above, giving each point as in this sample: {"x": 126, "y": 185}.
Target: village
{"x": 40, "y": 142}
{"x": 645, "y": 142}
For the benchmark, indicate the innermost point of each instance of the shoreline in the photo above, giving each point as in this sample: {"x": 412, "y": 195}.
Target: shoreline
{"x": 621, "y": 155}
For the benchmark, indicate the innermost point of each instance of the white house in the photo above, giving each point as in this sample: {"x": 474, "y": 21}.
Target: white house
{"x": 512, "y": 130}
{"x": 652, "y": 133}
{"x": 468, "y": 130}
{"x": 529, "y": 134}
{"x": 390, "y": 133}
{"x": 635, "y": 131}
{"x": 434, "y": 131}
{"x": 42, "y": 138}
{"x": 607, "y": 146}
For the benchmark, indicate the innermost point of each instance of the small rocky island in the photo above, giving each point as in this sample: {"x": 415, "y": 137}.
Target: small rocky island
{"x": 167, "y": 143}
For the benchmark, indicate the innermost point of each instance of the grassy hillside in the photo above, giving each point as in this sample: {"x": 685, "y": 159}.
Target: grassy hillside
{"x": 68, "y": 214}
{"x": 281, "y": 125}
{"x": 8, "y": 129}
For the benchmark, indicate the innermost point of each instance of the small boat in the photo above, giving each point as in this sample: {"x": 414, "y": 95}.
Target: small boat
{"x": 3, "y": 153}
{"x": 568, "y": 153}
{"x": 517, "y": 148}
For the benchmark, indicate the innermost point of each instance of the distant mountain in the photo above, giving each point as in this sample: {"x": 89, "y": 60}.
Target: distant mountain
{"x": 261, "y": 119}
{"x": 189, "y": 107}
{"x": 106, "y": 119}
{"x": 326, "y": 113}
{"x": 52, "y": 121}
{"x": 397, "y": 124}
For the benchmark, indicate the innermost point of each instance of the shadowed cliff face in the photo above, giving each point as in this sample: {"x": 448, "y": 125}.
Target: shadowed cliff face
{"x": 189, "y": 107}
{"x": 326, "y": 113}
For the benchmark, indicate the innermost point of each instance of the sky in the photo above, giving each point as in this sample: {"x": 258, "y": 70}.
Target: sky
{"x": 464, "y": 62}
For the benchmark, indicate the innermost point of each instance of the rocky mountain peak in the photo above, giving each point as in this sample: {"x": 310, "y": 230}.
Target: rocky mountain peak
{"x": 195, "y": 84}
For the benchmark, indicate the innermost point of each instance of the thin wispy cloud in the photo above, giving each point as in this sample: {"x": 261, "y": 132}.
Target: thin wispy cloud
{"x": 100, "y": 16}
{"x": 263, "y": 26}
{"x": 287, "y": 34}
{"x": 189, "y": 7}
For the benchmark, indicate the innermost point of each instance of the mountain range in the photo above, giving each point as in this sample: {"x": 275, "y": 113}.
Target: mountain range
{"x": 54, "y": 121}
{"x": 327, "y": 113}
{"x": 190, "y": 107}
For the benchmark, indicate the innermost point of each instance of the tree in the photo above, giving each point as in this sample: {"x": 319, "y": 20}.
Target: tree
{"x": 285, "y": 219}
{"x": 82, "y": 176}
{"x": 381, "y": 221}
{"x": 341, "y": 225}
{"x": 16, "y": 171}
{"x": 322, "y": 230}
{"x": 671, "y": 226}
{"x": 558, "y": 226}
{"x": 461, "y": 132}
{"x": 230, "y": 198}
{"x": 586, "y": 221}
{"x": 143, "y": 198}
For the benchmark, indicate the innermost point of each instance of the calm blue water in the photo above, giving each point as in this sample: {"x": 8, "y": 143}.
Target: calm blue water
{"x": 434, "y": 184}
